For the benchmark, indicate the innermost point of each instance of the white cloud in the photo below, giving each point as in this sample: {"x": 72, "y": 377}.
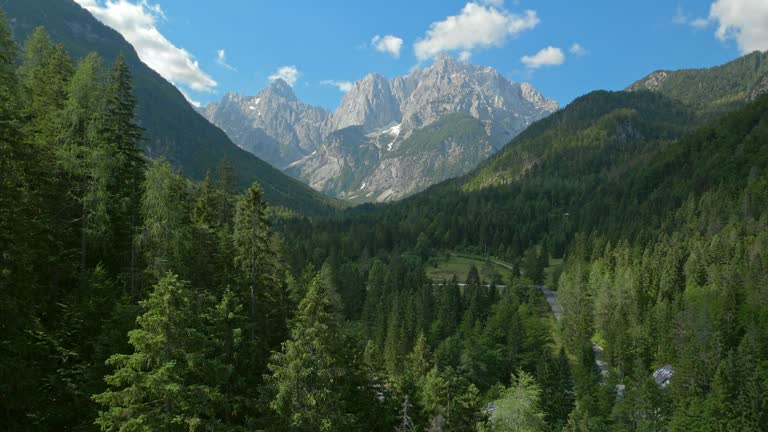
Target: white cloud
{"x": 388, "y": 44}
{"x": 477, "y": 26}
{"x": 343, "y": 86}
{"x": 288, "y": 74}
{"x": 496, "y": 3}
{"x": 465, "y": 55}
{"x": 221, "y": 60}
{"x": 683, "y": 18}
{"x": 746, "y": 21}
{"x": 699, "y": 23}
{"x": 549, "y": 56}
{"x": 577, "y": 49}
{"x": 136, "y": 21}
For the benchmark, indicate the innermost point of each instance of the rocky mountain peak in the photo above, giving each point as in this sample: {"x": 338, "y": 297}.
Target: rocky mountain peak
{"x": 387, "y": 138}
{"x": 652, "y": 82}
{"x": 370, "y": 104}
{"x": 282, "y": 89}
{"x": 533, "y": 96}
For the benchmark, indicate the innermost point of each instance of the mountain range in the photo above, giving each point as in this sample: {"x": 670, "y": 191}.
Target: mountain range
{"x": 173, "y": 130}
{"x": 388, "y": 138}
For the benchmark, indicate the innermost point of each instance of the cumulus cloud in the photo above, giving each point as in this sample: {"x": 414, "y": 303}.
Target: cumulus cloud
{"x": 549, "y": 56}
{"x": 577, "y": 49}
{"x": 221, "y": 60}
{"x": 288, "y": 74}
{"x": 477, "y": 26}
{"x": 137, "y": 22}
{"x": 745, "y": 21}
{"x": 343, "y": 86}
{"x": 388, "y": 44}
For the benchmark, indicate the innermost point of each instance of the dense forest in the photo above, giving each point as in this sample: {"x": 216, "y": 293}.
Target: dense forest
{"x": 135, "y": 299}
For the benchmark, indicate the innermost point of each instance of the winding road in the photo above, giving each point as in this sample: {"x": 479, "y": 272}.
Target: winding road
{"x": 557, "y": 311}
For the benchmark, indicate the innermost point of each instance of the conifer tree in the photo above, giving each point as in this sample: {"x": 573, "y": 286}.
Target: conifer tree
{"x": 306, "y": 374}
{"x": 170, "y": 382}
{"x": 258, "y": 280}
{"x": 86, "y": 156}
{"x": 123, "y": 137}
{"x": 518, "y": 409}
{"x": 164, "y": 236}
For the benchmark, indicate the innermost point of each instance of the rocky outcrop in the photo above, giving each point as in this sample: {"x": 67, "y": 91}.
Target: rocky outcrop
{"x": 380, "y": 143}
{"x": 274, "y": 124}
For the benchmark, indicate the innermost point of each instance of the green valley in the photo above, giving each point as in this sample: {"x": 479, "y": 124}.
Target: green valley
{"x": 604, "y": 271}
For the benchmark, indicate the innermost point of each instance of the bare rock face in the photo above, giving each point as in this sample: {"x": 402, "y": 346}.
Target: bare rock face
{"x": 369, "y": 104}
{"x": 450, "y": 86}
{"x": 384, "y": 165}
{"x": 274, "y": 125}
{"x": 387, "y": 138}
{"x": 652, "y": 82}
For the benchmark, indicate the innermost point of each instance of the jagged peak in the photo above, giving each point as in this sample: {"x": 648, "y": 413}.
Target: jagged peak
{"x": 280, "y": 87}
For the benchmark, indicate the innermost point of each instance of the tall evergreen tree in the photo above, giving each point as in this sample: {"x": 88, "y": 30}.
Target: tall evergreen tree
{"x": 306, "y": 374}
{"x": 519, "y": 408}
{"x": 260, "y": 288}
{"x": 123, "y": 137}
{"x": 164, "y": 236}
{"x": 171, "y": 381}
{"x": 86, "y": 156}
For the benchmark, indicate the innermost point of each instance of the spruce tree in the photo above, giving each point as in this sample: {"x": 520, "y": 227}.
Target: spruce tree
{"x": 258, "y": 280}
{"x": 306, "y": 374}
{"x": 164, "y": 237}
{"x": 171, "y": 381}
{"x": 519, "y": 408}
{"x": 86, "y": 156}
{"x": 123, "y": 137}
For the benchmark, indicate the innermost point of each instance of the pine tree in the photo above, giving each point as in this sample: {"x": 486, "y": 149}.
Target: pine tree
{"x": 86, "y": 156}
{"x": 472, "y": 295}
{"x": 449, "y": 399}
{"x": 225, "y": 176}
{"x": 519, "y": 408}
{"x": 419, "y": 362}
{"x": 44, "y": 76}
{"x": 170, "y": 382}
{"x": 533, "y": 267}
{"x": 17, "y": 285}
{"x": 123, "y": 137}
{"x": 251, "y": 244}
{"x": 259, "y": 287}
{"x": 164, "y": 236}
{"x": 306, "y": 374}
{"x": 449, "y": 310}
{"x": 554, "y": 377}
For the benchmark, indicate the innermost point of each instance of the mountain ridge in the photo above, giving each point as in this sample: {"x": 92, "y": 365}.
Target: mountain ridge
{"x": 174, "y": 130}
{"x": 387, "y": 112}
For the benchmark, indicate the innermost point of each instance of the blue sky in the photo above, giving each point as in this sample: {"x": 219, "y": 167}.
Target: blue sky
{"x": 319, "y": 42}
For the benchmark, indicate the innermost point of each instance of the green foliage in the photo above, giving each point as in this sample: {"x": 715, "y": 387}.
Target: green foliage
{"x": 659, "y": 211}
{"x": 308, "y": 376}
{"x": 172, "y": 380}
{"x": 519, "y": 408}
{"x": 174, "y": 131}
{"x": 716, "y": 90}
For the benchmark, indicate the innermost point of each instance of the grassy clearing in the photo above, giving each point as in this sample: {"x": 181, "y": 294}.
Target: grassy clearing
{"x": 447, "y": 265}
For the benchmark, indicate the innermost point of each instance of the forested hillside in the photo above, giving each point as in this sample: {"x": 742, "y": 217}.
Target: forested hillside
{"x": 173, "y": 130}
{"x": 135, "y": 299}
{"x": 661, "y": 217}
